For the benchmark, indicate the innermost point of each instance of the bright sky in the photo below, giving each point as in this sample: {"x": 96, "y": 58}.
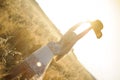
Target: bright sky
{"x": 100, "y": 57}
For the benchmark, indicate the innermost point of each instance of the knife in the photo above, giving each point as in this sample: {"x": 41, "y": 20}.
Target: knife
{"x": 38, "y": 62}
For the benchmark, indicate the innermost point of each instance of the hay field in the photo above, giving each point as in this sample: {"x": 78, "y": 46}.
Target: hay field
{"x": 24, "y": 28}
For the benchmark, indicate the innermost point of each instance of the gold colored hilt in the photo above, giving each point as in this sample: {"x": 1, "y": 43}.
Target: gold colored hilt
{"x": 97, "y": 26}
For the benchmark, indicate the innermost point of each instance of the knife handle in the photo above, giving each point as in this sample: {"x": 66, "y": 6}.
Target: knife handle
{"x": 35, "y": 64}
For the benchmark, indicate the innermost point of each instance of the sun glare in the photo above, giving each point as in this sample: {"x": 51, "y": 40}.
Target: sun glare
{"x": 98, "y": 56}
{"x": 82, "y": 27}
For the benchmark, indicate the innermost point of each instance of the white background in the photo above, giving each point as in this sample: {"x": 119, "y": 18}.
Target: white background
{"x": 99, "y": 56}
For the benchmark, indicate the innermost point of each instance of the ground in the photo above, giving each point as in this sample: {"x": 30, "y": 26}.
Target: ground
{"x": 23, "y": 29}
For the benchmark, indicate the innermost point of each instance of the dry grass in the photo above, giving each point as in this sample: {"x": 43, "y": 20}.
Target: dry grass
{"x": 25, "y": 28}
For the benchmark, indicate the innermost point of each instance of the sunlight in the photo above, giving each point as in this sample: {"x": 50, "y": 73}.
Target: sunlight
{"x": 98, "y": 56}
{"x": 82, "y": 27}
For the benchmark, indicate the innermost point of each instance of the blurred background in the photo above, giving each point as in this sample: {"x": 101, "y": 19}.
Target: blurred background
{"x": 101, "y": 57}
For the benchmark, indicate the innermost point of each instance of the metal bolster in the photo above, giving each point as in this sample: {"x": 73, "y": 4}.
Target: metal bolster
{"x": 54, "y": 47}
